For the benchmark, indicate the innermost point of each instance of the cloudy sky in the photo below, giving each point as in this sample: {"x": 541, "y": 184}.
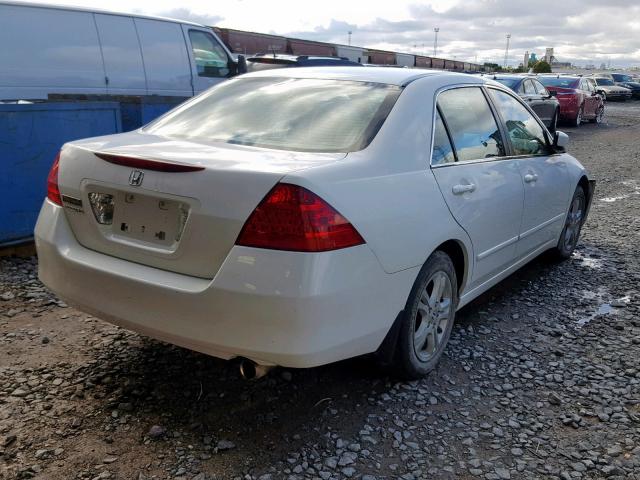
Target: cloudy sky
{"x": 581, "y": 31}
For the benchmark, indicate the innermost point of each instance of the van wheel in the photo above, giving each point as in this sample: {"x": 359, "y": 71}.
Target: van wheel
{"x": 572, "y": 226}
{"x": 427, "y": 318}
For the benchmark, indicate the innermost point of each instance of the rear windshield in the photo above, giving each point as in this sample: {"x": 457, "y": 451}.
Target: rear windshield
{"x": 619, "y": 77}
{"x": 311, "y": 115}
{"x": 558, "y": 82}
{"x": 509, "y": 82}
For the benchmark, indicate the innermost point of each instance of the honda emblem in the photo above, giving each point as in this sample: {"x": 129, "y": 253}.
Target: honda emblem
{"x": 135, "y": 179}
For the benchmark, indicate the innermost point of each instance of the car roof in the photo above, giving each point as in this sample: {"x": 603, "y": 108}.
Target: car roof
{"x": 514, "y": 76}
{"x": 391, "y": 76}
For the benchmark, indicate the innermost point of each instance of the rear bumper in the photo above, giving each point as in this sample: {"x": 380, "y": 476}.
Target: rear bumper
{"x": 281, "y": 308}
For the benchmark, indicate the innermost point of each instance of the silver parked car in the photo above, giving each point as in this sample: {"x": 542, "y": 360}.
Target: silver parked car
{"x": 301, "y": 216}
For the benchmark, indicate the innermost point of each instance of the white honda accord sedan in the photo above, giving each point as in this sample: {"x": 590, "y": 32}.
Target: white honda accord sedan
{"x": 298, "y": 217}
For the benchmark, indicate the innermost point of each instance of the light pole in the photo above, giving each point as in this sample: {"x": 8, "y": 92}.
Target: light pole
{"x": 506, "y": 52}
{"x": 350, "y": 32}
{"x": 435, "y": 42}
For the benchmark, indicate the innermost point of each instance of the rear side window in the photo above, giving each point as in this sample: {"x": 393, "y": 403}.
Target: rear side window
{"x": 442, "y": 149}
{"x": 473, "y": 128}
{"x": 211, "y": 60}
{"x": 526, "y": 135}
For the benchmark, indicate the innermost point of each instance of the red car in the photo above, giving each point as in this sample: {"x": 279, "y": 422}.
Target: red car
{"x": 578, "y": 98}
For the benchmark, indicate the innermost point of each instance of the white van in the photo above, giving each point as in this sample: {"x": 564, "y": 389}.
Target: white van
{"x": 65, "y": 50}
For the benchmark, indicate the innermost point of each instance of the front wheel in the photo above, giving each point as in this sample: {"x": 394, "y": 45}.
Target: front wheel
{"x": 599, "y": 115}
{"x": 427, "y": 318}
{"x": 572, "y": 226}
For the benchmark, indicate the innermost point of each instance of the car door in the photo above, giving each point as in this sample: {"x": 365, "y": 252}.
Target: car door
{"x": 209, "y": 60}
{"x": 482, "y": 188}
{"x": 547, "y": 103}
{"x": 165, "y": 57}
{"x": 544, "y": 175}
{"x": 533, "y": 99}
{"x": 590, "y": 100}
{"x": 124, "y": 71}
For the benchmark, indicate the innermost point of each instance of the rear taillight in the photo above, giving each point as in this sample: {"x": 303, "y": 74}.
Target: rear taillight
{"x": 292, "y": 218}
{"x": 53, "y": 192}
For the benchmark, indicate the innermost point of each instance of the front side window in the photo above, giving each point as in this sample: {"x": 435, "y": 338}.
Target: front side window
{"x": 442, "y": 150}
{"x": 211, "y": 59}
{"x": 529, "y": 89}
{"x": 540, "y": 90}
{"x": 300, "y": 114}
{"x": 526, "y": 135}
{"x": 473, "y": 128}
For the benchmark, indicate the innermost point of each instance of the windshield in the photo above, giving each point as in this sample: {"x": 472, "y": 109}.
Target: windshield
{"x": 561, "y": 82}
{"x": 603, "y": 81}
{"x": 619, "y": 77}
{"x": 509, "y": 82}
{"x": 311, "y": 115}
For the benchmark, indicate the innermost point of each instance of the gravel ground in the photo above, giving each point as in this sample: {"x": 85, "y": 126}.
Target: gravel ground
{"x": 541, "y": 378}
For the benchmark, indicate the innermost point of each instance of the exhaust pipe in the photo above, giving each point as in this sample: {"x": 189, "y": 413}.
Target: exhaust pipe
{"x": 250, "y": 370}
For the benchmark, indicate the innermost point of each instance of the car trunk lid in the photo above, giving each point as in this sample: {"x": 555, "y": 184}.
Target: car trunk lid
{"x": 168, "y": 203}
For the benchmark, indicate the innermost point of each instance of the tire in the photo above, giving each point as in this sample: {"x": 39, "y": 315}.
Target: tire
{"x": 603, "y": 95}
{"x": 572, "y": 226}
{"x": 578, "y": 120}
{"x": 428, "y": 318}
{"x": 554, "y": 122}
{"x": 599, "y": 115}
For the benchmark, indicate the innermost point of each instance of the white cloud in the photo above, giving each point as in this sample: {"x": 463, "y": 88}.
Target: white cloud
{"x": 580, "y": 30}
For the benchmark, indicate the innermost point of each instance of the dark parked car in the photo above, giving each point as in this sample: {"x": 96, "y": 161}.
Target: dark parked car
{"x": 267, "y": 61}
{"x": 541, "y": 100}
{"x": 578, "y": 98}
{"x": 608, "y": 90}
{"x": 627, "y": 81}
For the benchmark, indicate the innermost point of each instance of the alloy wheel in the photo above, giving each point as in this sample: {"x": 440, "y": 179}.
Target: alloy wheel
{"x": 432, "y": 316}
{"x": 579, "y": 117}
{"x": 574, "y": 223}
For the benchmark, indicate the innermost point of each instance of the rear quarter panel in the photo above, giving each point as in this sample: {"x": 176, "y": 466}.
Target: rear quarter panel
{"x": 387, "y": 191}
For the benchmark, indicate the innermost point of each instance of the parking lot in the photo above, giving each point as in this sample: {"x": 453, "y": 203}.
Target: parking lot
{"x": 541, "y": 378}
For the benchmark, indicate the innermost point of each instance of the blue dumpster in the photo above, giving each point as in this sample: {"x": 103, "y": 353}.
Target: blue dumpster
{"x": 30, "y": 137}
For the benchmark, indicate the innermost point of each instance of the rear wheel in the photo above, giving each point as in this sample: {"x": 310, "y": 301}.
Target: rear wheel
{"x": 578, "y": 120}
{"x": 428, "y": 317}
{"x": 572, "y": 226}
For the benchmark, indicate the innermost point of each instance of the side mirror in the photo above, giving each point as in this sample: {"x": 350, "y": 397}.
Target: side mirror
{"x": 553, "y": 93}
{"x": 595, "y": 94}
{"x": 560, "y": 141}
{"x": 241, "y": 65}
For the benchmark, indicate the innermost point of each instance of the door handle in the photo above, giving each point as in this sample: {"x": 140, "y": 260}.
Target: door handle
{"x": 460, "y": 189}
{"x": 530, "y": 177}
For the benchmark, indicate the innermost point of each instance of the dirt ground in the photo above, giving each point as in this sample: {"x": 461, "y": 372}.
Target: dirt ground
{"x": 541, "y": 378}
